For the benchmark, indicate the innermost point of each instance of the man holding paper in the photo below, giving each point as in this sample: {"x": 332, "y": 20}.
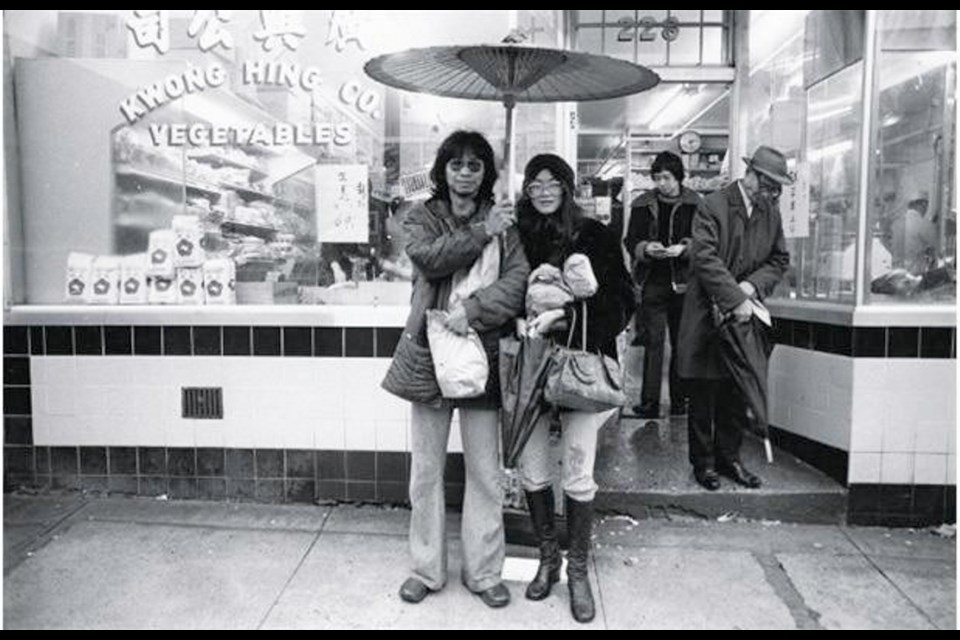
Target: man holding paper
{"x": 738, "y": 255}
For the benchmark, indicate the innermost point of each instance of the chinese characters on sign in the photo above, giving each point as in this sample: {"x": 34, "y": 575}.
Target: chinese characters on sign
{"x": 345, "y": 27}
{"x": 280, "y": 26}
{"x": 795, "y": 205}
{"x": 342, "y": 203}
{"x": 151, "y": 29}
{"x": 211, "y": 22}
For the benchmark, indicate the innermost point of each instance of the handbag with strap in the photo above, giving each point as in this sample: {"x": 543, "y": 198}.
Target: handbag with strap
{"x": 584, "y": 381}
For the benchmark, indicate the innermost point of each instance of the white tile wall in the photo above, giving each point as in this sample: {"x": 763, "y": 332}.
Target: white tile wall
{"x": 60, "y": 371}
{"x": 360, "y": 435}
{"x": 952, "y": 469}
{"x": 896, "y": 468}
{"x": 864, "y": 468}
{"x": 329, "y": 434}
{"x": 869, "y": 418}
{"x": 899, "y": 427}
{"x": 391, "y": 435}
{"x": 58, "y": 400}
{"x": 929, "y": 468}
{"x": 210, "y": 433}
{"x": 812, "y": 395}
{"x": 932, "y": 437}
{"x": 870, "y": 373}
{"x": 38, "y": 371}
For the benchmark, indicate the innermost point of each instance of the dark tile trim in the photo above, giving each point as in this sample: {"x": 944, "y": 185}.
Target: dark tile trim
{"x": 867, "y": 342}
{"x": 901, "y": 505}
{"x": 380, "y": 342}
{"x": 830, "y": 460}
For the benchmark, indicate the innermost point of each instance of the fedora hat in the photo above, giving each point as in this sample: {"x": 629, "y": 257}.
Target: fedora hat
{"x": 771, "y": 163}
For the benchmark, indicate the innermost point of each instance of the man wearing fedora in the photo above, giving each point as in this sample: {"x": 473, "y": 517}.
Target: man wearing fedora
{"x": 737, "y": 253}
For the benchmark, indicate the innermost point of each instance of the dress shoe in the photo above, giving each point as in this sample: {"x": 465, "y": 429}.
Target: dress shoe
{"x": 496, "y": 596}
{"x": 413, "y": 590}
{"x": 736, "y": 472}
{"x": 707, "y": 478}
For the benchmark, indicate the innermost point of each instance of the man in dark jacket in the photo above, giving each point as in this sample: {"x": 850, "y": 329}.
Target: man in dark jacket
{"x": 658, "y": 240}
{"x": 738, "y": 253}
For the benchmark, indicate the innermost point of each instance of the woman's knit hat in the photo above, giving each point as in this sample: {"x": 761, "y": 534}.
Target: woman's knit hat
{"x": 556, "y": 165}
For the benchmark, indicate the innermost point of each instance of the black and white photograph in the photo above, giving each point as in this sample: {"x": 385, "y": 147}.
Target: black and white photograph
{"x": 479, "y": 319}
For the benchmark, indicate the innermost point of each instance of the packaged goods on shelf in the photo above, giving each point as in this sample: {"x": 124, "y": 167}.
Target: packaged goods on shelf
{"x": 190, "y": 288}
{"x": 188, "y": 233}
{"x": 162, "y": 291}
{"x": 133, "y": 279}
{"x": 219, "y": 279}
{"x": 161, "y": 251}
{"x": 79, "y": 274}
{"x": 105, "y": 277}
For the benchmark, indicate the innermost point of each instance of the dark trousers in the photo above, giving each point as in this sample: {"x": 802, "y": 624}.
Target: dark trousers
{"x": 660, "y": 311}
{"x": 715, "y": 423}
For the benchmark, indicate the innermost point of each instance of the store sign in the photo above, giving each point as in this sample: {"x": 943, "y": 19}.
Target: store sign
{"x": 342, "y": 206}
{"x": 197, "y": 80}
{"x": 280, "y": 134}
{"x": 279, "y": 27}
{"x": 795, "y": 205}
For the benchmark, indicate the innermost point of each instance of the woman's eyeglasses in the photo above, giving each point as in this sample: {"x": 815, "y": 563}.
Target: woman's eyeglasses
{"x": 473, "y": 166}
{"x": 535, "y": 189}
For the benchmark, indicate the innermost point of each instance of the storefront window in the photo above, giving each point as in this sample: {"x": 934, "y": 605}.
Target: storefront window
{"x": 151, "y": 143}
{"x": 804, "y": 97}
{"x": 911, "y": 255}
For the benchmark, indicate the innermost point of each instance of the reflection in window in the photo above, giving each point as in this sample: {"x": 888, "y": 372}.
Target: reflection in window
{"x": 912, "y": 218}
{"x": 833, "y": 131}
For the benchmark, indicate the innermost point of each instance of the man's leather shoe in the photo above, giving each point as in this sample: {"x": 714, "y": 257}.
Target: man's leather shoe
{"x": 496, "y": 596}
{"x": 413, "y": 590}
{"x": 707, "y": 478}
{"x": 736, "y": 472}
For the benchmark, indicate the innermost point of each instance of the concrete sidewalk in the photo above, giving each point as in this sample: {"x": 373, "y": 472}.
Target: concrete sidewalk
{"x": 77, "y": 562}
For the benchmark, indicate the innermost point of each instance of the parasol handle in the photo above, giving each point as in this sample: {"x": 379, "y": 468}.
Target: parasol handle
{"x": 509, "y": 102}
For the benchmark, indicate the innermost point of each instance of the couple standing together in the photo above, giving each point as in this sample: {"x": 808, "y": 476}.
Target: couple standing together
{"x": 445, "y": 236}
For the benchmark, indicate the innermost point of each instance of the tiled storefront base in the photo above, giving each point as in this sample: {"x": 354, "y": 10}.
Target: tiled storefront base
{"x": 901, "y": 505}
{"x": 257, "y": 475}
{"x": 830, "y": 460}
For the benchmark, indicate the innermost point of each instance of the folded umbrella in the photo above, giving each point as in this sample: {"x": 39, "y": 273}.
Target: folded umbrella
{"x": 524, "y": 364}
{"x": 746, "y": 349}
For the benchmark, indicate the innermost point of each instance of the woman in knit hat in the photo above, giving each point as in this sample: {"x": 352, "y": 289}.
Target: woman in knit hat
{"x": 552, "y": 228}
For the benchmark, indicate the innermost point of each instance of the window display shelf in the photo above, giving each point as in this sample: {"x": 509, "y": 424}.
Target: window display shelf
{"x": 256, "y": 173}
{"x": 166, "y": 179}
{"x": 267, "y": 233}
{"x": 252, "y": 194}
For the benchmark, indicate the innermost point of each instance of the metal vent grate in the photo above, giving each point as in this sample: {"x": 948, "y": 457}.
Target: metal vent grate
{"x": 205, "y": 403}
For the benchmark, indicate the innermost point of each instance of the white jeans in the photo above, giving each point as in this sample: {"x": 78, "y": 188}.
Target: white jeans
{"x": 578, "y": 448}
{"x": 482, "y": 535}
